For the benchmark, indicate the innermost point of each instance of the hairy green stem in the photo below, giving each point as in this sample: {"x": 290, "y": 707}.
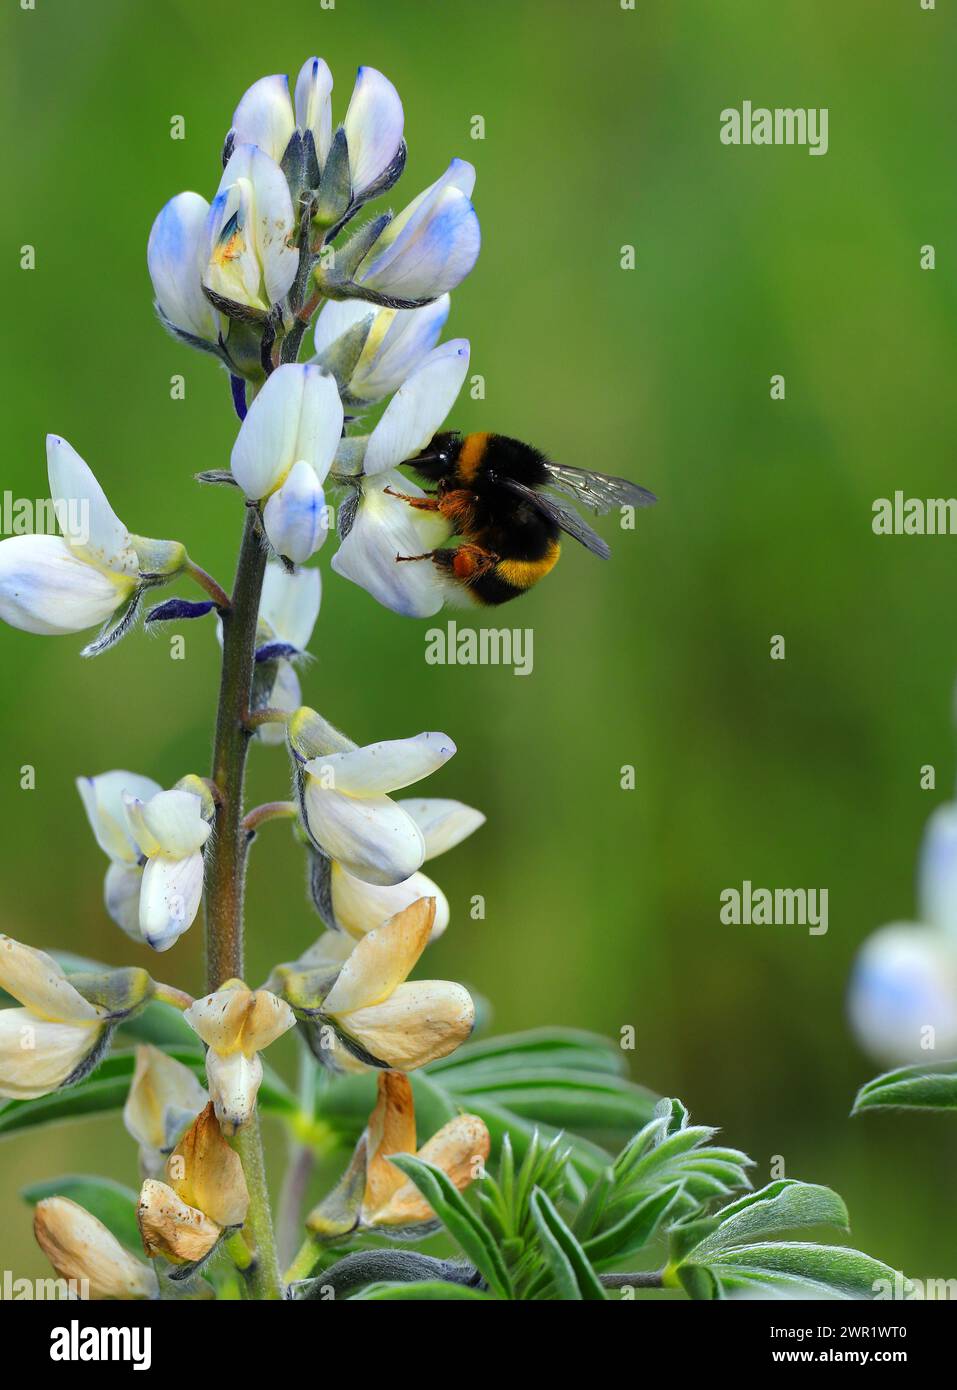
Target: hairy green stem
{"x": 226, "y": 866}
{"x": 642, "y": 1279}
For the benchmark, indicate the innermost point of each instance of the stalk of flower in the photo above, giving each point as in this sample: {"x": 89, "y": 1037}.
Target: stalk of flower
{"x": 373, "y": 1194}
{"x": 64, "y": 1025}
{"x": 164, "y": 1097}
{"x": 94, "y": 573}
{"x": 84, "y": 1252}
{"x": 367, "y": 1006}
{"x": 283, "y": 452}
{"x": 382, "y": 526}
{"x": 154, "y": 840}
{"x": 351, "y": 905}
{"x": 342, "y": 792}
{"x": 236, "y": 1023}
{"x": 204, "y": 1199}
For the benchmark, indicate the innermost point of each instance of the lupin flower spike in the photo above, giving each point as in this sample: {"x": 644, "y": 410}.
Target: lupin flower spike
{"x": 374, "y": 1195}
{"x": 236, "y": 1023}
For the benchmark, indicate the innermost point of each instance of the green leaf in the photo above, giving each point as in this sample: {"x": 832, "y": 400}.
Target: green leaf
{"x": 110, "y": 1202}
{"x": 106, "y": 1089}
{"x": 919, "y": 1087}
{"x": 417, "y": 1293}
{"x": 784, "y": 1205}
{"x": 459, "y": 1220}
{"x": 635, "y": 1228}
{"x": 790, "y": 1269}
{"x": 571, "y": 1271}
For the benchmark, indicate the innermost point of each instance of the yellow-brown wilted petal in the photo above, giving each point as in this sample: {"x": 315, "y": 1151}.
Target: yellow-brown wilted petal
{"x": 419, "y": 1022}
{"x": 382, "y": 959}
{"x": 208, "y": 1174}
{"x": 219, "y": 1017}
{"x": 35, "y": 979}
{"x": 163, "y": 1096}
{"x": 267, "y": 1018}
{"x": 460, "y": 1149}
{"x": 171, "y": 1227}
{"x": 80, "y": 1247}
{"x": 391, "y": 1130}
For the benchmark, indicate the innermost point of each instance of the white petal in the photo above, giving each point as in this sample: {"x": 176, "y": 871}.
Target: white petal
{"x": 418, "y": 409}
{"x": 174, "y": 823}
{"x": 121, "y": 896}
{"x": 444, "y": 824}
{"x": 383, "y": 767}
{"x": 369, "y": 835}
{"x": 373, "y": 127}
{"x": 296, "y": 416}
{"x": 385, "y": 527}
{"x": 286, "y": 694}
{"x": 163, "y": 1094}
{"x": 88, "y": 522}
{"x": 233, "y": 1084}
{"x": 290, "y": 603}
{"x": 328, "y": 953}
{"x": 314, "y": 104}
{"x": 937, "y": 886}
{"x": 419, "y": 1022}
{"x": 337, "y": 316}
{"x": 36, "y": 1057}
{"x": 359, "y": 907}
{"x": 254, "y": 190}
{"x": 233, "y": 268}
{"x": 46, "y": 588}
{"x": 264, "y": 117}
{"x": 102, "y": 799}
{"x": 381, "y": 961}
{"x": 904, "y": 983}
{"x": 38, "y": 982}
{"x": 398, "y": 344}
{"x": 296, "y": 518}
{"x": 169, "y": 898}
{"x": 432, "y": 244}
{"x": 176, "y": 256}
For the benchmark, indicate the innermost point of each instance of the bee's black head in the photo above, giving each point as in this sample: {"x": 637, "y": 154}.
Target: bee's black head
{"x": 439, "y": 459}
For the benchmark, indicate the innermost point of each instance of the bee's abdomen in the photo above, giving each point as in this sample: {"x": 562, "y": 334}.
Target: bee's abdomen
{"x": 509, "y": 578}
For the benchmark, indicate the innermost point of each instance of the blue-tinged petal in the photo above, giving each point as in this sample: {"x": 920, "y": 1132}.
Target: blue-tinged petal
{"x": 264, "y": 117}
{"x": 902, "y": 1000}
{"x": 46, "y": 588}
{"x": 176, "y": 256}
{"x": 373, "y": 127}
{"x": 296, "y": 518}
{"x": 418, "y": 409}
{"x": 314, "y": 104}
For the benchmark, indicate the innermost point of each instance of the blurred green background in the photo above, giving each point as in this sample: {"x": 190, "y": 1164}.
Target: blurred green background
{"x": 602, "y": 904}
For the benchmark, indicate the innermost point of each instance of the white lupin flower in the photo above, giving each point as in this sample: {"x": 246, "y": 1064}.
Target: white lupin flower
{"x": 359, "y": 907}
{"x": 373, "y": 127}
{"x": 48, "y": 1040}
{"x": 398, "y": 342}
{"x": 268, "y": 117}
{"x": 384, "y": 526}
{"x": 283, "y": 452}
{"x": 250, "y": 259}
{"x": 351, "y": 818}
{"x": 164, "y": 1097}
{"x": 937, "y": 872}
{"x": 62, "y": 584}
{"x": 902, "y": 998}
{"x": 236, "y": 1023}
{"x": 177, "y": 255}
{"x": 80, "y": 1248}
{"x": 394, "y": 1022}
{"x": 431, "y": 245}
{"x": 170, "y": 830}
{"x": 102, "y": 799}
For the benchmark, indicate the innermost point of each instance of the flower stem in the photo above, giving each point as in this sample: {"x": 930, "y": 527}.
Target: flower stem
{"x": 226, "y": 865}
{"x": 269, "y": 810}
{"x": 207, "y": 582}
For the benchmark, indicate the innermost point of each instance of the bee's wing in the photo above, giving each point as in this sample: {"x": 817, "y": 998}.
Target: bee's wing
{"x": 570, "y": 522}
{"x": 598, "y": 490}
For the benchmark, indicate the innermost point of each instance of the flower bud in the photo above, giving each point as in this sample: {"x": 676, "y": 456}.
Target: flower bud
{"x": 80, "y": 1248}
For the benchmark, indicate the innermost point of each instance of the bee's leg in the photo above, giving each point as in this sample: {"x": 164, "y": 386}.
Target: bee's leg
{"x": 428, "y": 555}
{"x": 422, "y": 504}
{"x": 469, "y": 562}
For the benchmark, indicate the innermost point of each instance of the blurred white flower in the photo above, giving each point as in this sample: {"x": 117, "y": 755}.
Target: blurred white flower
{"x": 283, "y": 452}
{"x": 902, "y": 999}
{"x": 396, "y": 342}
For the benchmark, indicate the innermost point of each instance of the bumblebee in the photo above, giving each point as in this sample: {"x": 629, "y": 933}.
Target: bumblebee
{"x": 489, "y": 488}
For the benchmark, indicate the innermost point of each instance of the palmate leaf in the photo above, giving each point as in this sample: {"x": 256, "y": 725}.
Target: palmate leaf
{"x": 920, "y": 1087}
{"x": 106, "y": 1089}
{"x": 505, "y": 1203}
{"x": 109, "y": 1201}
{"x": 723, "y": 1255}
{"x": 572, "y": 1274}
